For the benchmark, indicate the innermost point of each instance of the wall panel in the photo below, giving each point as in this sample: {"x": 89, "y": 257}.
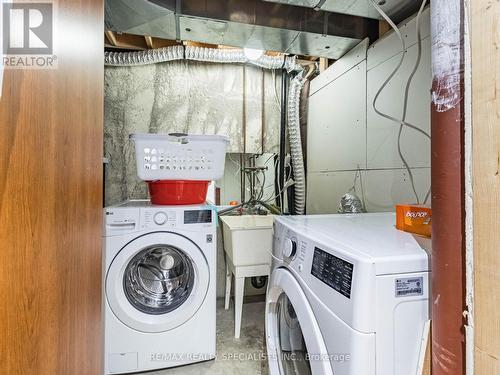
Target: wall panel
{"x": 345, "y": 133}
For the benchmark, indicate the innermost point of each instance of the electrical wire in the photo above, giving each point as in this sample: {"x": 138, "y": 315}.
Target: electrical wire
{"x": 405, "y": 105}
{"x": 276, "y": 196}
{"x": 261, "y": 195}
{"x": 281, "y": 190}
{"x": 276, "y": 96}
{"x": 403, "y": 121}
{"x": 238, "y": 171}
{"x": 358, "y": 174}
{"x": 407, "y": 89}
{"x": 362, "y": 190}
{"x": 269, "y": 158}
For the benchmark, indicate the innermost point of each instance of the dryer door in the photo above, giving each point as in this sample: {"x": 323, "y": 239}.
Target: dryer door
{"x": 157, "y": 282}
{"x": 295, "y": 345}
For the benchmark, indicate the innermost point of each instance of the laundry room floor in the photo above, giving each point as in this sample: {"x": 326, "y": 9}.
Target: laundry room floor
{"x": 234, "y": 356}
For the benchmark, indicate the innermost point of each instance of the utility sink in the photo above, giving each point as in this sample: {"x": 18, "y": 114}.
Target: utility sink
{"x": 248, "y": 239}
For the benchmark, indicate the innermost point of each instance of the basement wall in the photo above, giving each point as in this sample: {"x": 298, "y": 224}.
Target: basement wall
{"x": 346, "y": 137}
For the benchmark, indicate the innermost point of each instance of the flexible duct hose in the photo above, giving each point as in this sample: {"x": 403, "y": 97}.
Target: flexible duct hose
{"x": 296, "y": 144}
{"x": 151, "y": 56}
{"x": 215, "y": 55}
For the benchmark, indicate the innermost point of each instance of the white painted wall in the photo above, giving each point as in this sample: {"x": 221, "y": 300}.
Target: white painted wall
{"x": 346, "y": 135}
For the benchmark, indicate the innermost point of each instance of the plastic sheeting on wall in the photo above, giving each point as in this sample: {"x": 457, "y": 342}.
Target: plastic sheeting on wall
{"x": 190, "y": 97}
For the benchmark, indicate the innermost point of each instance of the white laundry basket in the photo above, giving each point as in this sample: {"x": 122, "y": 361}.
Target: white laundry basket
{"x": 180, "y": 156}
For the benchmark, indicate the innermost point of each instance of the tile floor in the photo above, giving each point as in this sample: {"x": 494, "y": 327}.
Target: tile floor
{"x": 250, "y": 347}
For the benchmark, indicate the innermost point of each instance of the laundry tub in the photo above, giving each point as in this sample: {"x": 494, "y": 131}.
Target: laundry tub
{"x": 248, "y": 239}
{"x": 248, "y": 243}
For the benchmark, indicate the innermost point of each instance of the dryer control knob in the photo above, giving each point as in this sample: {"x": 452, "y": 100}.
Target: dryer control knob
{"x": 290, "y": 249}
{"x": 160, "y": 218}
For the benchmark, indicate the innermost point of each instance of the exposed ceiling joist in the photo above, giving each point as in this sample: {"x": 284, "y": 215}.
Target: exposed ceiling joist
{"x": 110, "y": 35}
{"x": 149, "y": 41}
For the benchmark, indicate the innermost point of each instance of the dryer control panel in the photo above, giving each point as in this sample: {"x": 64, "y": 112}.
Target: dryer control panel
{"x": 333, "y": 271}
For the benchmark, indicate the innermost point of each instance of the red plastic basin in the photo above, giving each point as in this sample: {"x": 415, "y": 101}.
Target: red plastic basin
{"x": 176, "y": 192}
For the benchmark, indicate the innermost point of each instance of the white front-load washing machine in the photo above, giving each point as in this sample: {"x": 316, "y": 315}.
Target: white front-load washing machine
{"x": 159, "y": 286}
{"x": 347, "y": 295}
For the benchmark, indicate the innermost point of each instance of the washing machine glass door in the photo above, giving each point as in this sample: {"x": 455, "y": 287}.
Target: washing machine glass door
{"x": 158, "y": 279}
{"x": 294, "y": 341}
{"x": 157, "y": 282}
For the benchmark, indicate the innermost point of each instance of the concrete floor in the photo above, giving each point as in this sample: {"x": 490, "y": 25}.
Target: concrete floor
{"x": 250, "y": 347}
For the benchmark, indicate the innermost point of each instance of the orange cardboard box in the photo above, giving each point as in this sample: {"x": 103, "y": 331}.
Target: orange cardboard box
{"x": 414, "y": 218}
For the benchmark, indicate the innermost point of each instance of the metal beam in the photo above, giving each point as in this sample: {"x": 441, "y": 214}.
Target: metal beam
{"x": 243, "y": 23}
{"x": 265, "y": 14}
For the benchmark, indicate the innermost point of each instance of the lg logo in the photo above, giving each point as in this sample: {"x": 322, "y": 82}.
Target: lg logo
{"x": 27, "y": 28}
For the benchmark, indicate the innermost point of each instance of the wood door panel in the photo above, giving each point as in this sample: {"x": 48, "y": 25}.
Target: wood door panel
{"x": 51, "y": 129}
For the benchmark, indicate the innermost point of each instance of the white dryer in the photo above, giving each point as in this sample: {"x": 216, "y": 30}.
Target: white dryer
{"x": 159, "y": 286}
{"x": 348, "y": 295}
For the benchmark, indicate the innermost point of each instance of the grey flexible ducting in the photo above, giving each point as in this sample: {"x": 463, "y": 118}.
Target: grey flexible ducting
{"x": 148, "y": 57}
{"x": 173, "y": 53}
{"x": 294, "y": 139}
{"x": 237, "y": 56}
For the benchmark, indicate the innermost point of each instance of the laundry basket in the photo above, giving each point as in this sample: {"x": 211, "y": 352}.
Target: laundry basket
{"x": 180, "y": 156}
{"x": 179, "y": 167}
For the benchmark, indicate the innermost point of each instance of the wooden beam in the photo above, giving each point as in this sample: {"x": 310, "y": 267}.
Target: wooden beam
{"x": 160, "y": 43}
{"x": 110, "y": 35}
{"x": 149, "y": 41}
{"x": 323, "y": 64}
{"x": 426, "y": 369}
{"x": 308, "y": 58}
{"x": 383, "y": 27}
{"x": 199, "y": 44}
{"x": 126, "y": 41}
{"x": 485, "y": 93}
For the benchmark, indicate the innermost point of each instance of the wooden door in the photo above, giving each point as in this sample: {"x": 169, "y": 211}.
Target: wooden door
{"x": 51, "y": 130}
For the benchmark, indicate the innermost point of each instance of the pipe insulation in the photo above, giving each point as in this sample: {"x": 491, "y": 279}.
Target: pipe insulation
{"x": 214, "y": 55}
